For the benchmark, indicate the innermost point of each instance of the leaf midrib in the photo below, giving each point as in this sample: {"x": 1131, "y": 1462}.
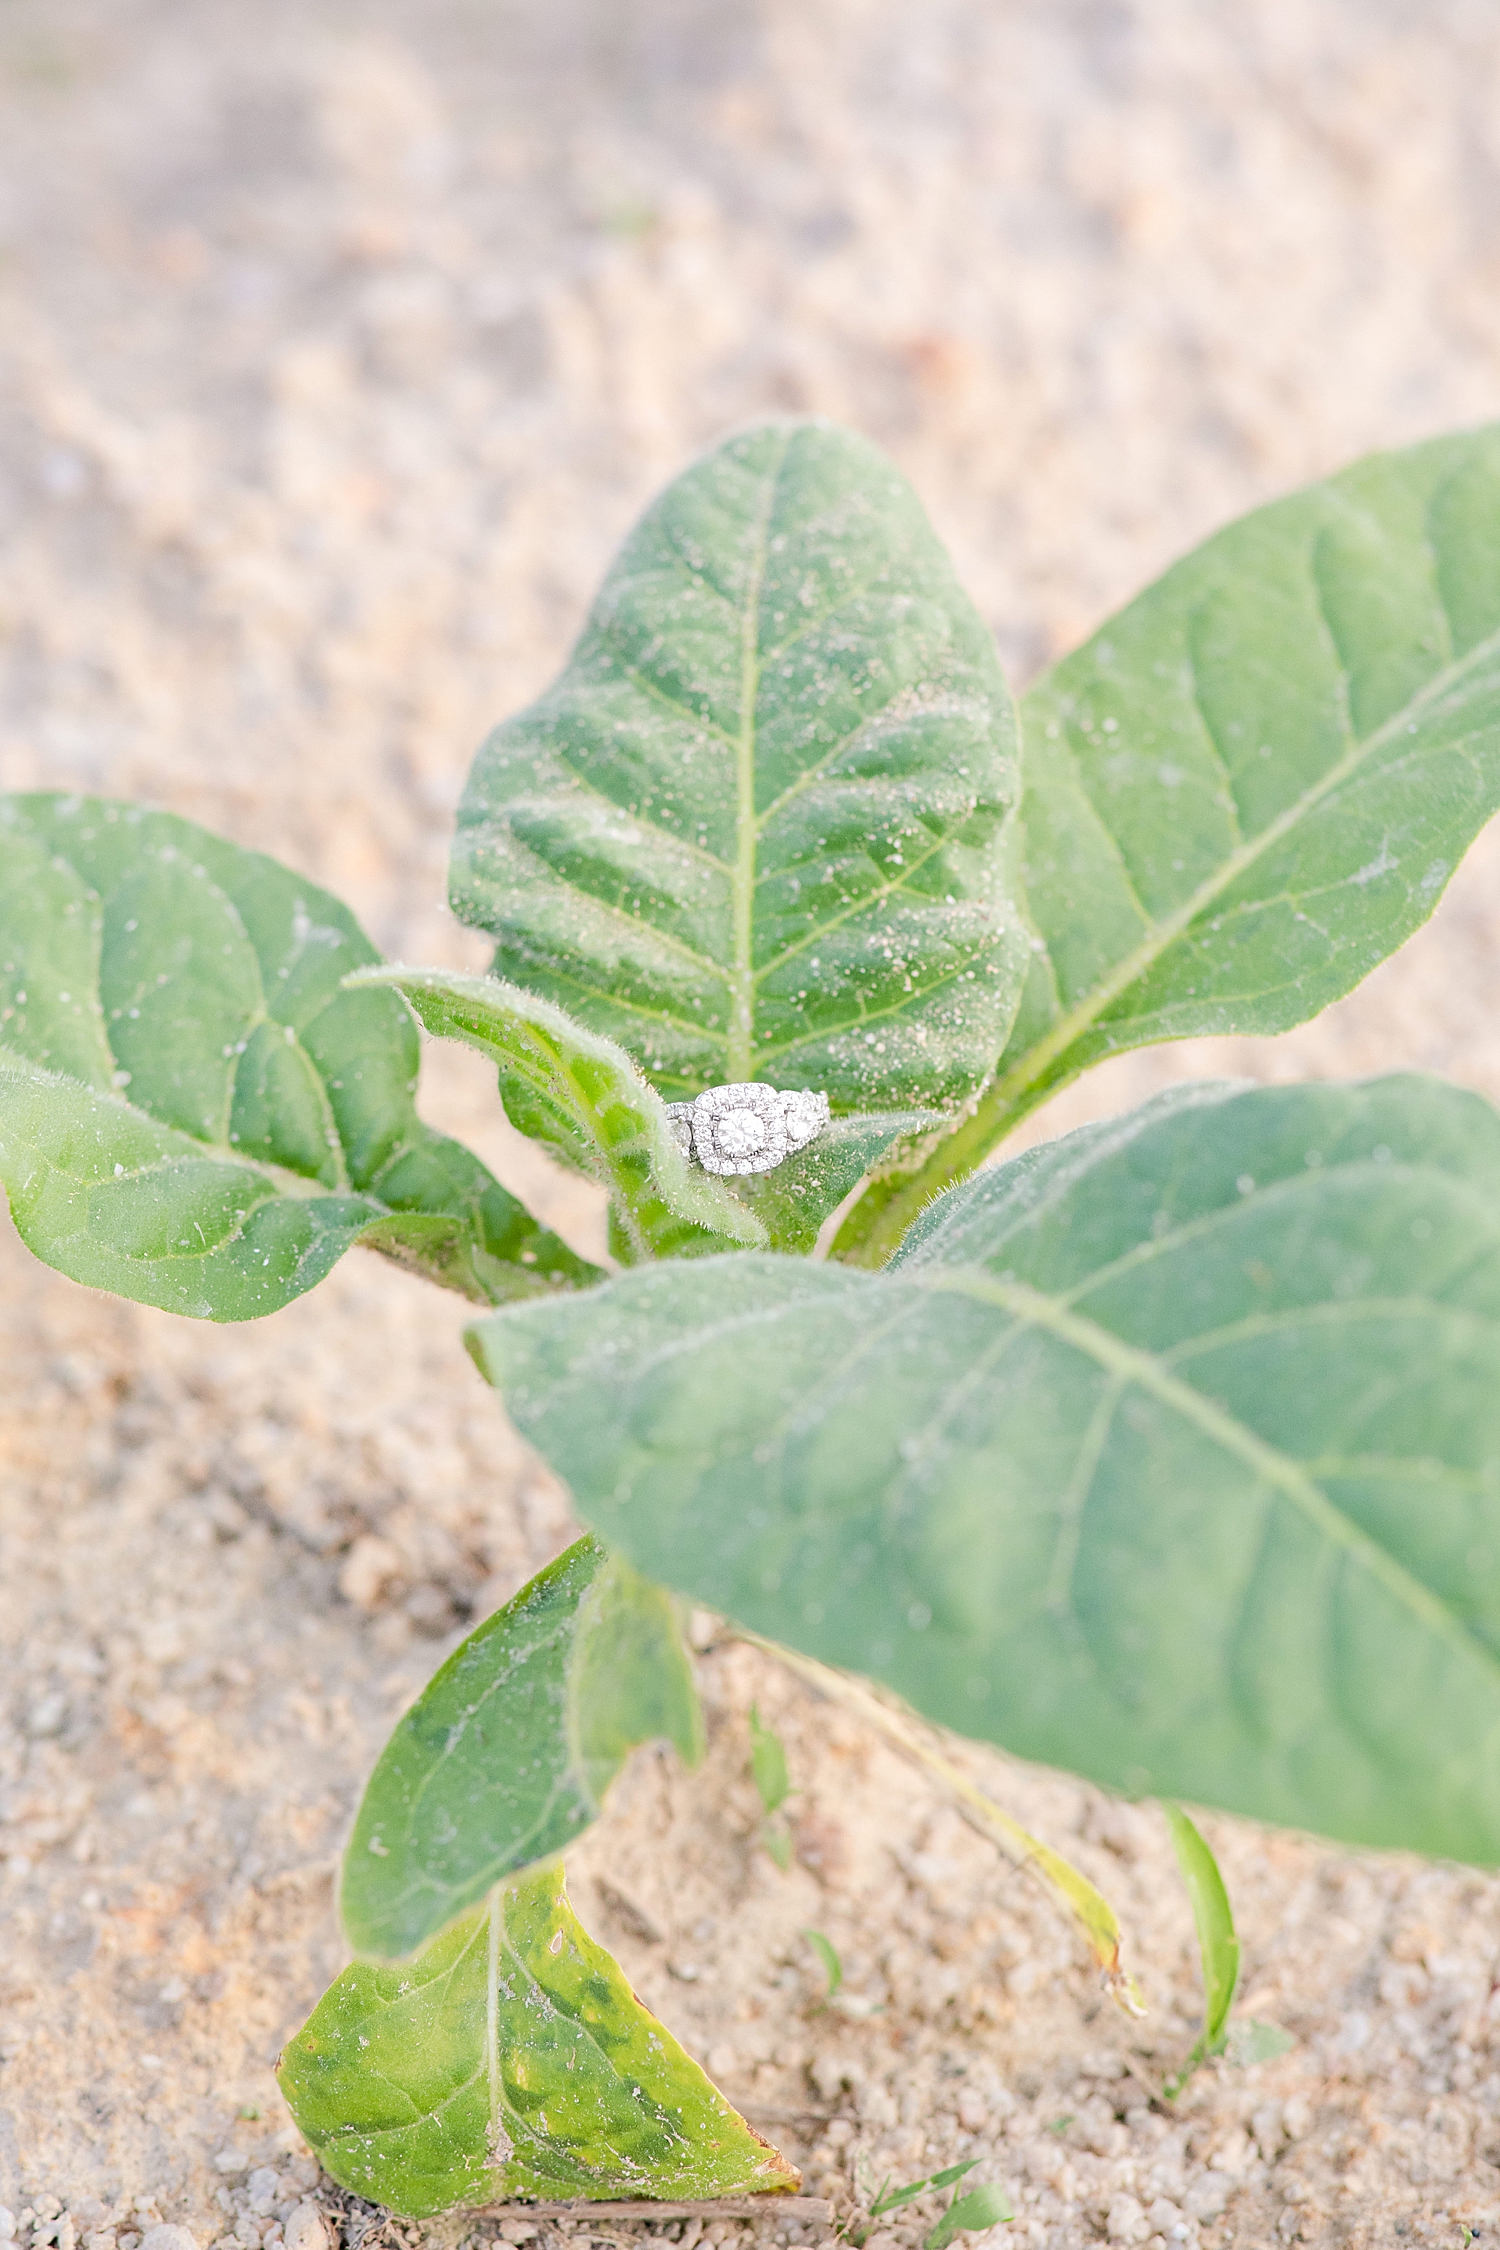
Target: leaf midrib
{"x": 740, "y": 1051}
{"x": 1085, "y": 1013}
{"x": 562, "y": 2009}
{"x": 987, "y": 1248}
{"x": 278, "y": 1177}
{"x": 1128, "y": 1364}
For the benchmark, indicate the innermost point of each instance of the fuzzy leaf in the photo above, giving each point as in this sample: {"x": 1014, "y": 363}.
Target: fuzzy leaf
{"x": 582, "y": 1097}
{"x": 807, "y": 1187}
{"x": 511, "y": 2059}
{"x": 192, "y": 1113}
{"x": 758, "y": 828}
{"x": 1165, "y": 1452}
{"x": 506, "y": 1755}
{"x": 1251, "y": 785}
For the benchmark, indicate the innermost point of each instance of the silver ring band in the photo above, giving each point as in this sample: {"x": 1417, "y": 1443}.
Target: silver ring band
{"x": 740, "y": 1129}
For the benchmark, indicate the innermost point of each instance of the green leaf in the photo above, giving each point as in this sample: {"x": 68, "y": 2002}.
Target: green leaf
{"x": 506, "y": 1755}
{"x": 193, "y": 1114}
{"x": 827, "y": 1952}
{"x": 1252, "y": 784}
{"x": 969, "y": 2214}
{"x": 1249, "y": 2041}
{"x": 1093, "y": 1913}
{"x": 768, "y": 1764}
{"x": 759, "y": 828}
{"x": 1165, "y": 1452}
{"x": 908, "y": 2194}
{"x": 807, "y": 1187}
{"x": 777, "y": 1838}
{"x": 511, "y": 2059}
{"x": 1218, "y": 1946}
{"x": 582, "y": 1096}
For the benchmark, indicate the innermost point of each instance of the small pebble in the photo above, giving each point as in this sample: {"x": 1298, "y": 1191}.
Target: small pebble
{"x": 1126, "y": 2222}
{"x": 169, "y": 2238}
{"x": 306, "y": 2229}
{"x": 7, "y": 2223}
{"x": 264, "y": 2190}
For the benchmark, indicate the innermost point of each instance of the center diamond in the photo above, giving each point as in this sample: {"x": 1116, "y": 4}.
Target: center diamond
{"x": 737, "y": 1129}
{"x": 741, "y": 1133}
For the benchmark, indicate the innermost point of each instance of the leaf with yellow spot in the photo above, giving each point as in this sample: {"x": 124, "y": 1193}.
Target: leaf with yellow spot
{"x": 511, "y": 2058}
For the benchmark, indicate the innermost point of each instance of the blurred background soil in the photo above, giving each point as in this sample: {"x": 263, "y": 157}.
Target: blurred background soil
{"x": 338, "y": 347}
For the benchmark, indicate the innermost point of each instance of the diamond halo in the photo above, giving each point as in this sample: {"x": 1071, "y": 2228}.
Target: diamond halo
{"x": 746, "y": 1128}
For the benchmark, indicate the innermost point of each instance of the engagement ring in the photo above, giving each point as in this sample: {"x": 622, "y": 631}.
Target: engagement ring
{"x": 746, "y": 1128}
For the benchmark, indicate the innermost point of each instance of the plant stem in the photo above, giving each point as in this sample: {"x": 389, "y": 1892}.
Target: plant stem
{"x": 1088, "y": 1906}
{"x": 876, "y": 1227}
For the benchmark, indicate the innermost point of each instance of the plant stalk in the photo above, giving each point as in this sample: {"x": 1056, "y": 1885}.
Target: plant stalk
{"x": 1088, "y": 1906}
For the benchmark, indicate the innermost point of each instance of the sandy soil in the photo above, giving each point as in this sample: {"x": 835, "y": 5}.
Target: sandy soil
{"x": 337, "y": 347}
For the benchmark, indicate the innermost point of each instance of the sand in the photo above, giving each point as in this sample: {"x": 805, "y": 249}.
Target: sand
{"x": 338, "y": 347}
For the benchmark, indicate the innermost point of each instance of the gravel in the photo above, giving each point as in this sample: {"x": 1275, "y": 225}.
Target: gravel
{"x": 337, "y": 349}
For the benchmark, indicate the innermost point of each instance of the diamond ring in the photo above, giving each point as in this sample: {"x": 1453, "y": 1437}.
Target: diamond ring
{"x": 746, "y": 1128}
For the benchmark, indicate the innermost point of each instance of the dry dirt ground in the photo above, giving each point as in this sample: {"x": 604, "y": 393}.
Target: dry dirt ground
{"x": 338, "y": 345}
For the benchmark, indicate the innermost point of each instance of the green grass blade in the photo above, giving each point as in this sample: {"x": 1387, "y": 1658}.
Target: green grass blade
{"x": 833, "y": 1967}
{"x": 768, "y": 1763}
{"x": 1213, "y": 1917}
{"x": 894, "y": 2200}
{"x": 969, "y": 2214}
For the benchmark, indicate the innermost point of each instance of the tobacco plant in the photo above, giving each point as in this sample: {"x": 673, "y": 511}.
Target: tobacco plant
{"x": 1167, "y": 1452}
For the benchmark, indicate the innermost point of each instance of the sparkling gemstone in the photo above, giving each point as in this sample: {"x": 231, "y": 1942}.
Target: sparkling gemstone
{"x": 741, "y": 1133}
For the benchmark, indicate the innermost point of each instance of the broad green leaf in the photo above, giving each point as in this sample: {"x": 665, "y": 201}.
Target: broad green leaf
{"x": 582, "y": 1097}
{"x": 759, "y": 828}
{"x": 1166, "y": 1452}
{"x": 506, "y": 1754}
{"x": 807, "y": 1187}
{"x": 193, "y": 1114}
{"x": 1252, "y": 784}
{"x": 1218, "y": 1946}
{"x": 511, "y": 2058}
